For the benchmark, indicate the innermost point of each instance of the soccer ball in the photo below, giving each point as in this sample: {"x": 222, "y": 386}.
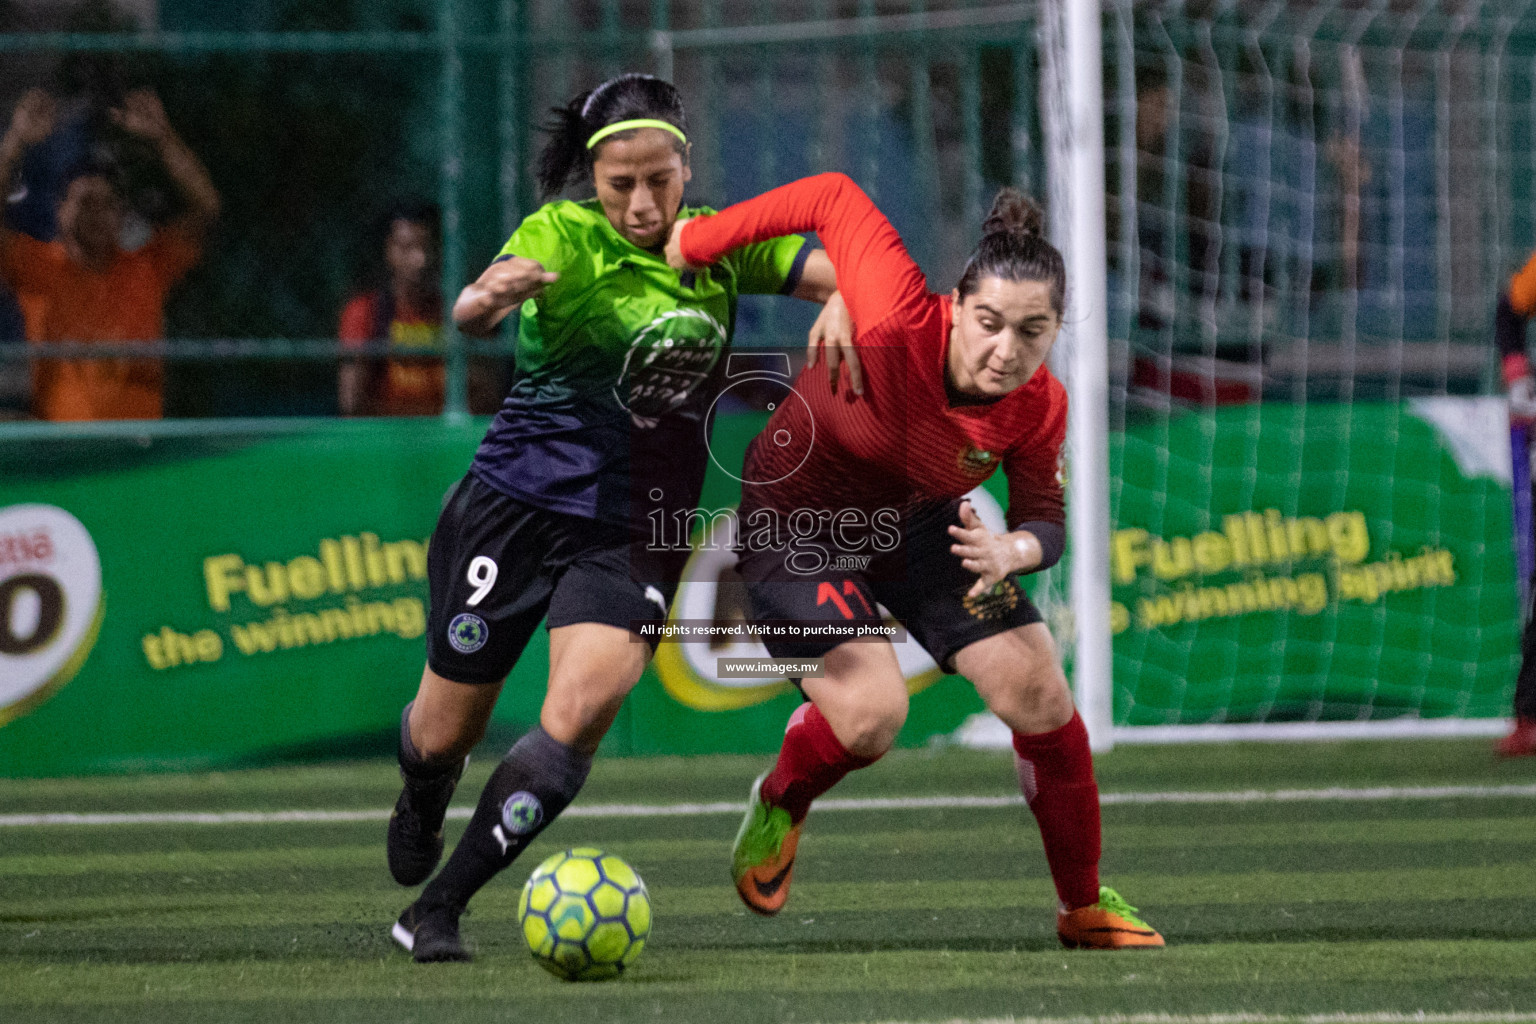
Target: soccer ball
{"x": 585, "y": 915}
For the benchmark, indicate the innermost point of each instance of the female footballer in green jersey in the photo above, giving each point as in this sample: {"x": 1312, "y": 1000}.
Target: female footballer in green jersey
{"x": 619, "y": 359}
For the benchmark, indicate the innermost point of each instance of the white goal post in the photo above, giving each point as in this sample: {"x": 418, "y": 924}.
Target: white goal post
{"x": 1073, "y": 116}
{"x": 1335, "y": 195}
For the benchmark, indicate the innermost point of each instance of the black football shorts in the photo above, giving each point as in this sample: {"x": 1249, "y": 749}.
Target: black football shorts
{"x": 496, "y": 566}
{"x": 921, "y": 583}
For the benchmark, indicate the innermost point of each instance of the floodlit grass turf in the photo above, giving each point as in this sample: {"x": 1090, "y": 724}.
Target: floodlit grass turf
{"x": 1382, "y": 906}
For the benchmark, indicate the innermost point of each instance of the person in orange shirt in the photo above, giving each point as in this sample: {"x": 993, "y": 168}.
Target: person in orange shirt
{"x": 84, "y": 287}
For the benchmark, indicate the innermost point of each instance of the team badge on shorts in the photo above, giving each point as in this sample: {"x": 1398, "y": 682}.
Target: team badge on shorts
{"x": 522, "y": 813}
{"x": 468, "y": 633}
{"x": 995, "y": 603}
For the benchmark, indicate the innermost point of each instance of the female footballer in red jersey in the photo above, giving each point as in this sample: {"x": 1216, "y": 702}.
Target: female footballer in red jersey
{"x": 955, "y": 385}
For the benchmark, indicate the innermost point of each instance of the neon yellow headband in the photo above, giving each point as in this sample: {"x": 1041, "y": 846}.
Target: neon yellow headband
{"x": 639, "y": 122}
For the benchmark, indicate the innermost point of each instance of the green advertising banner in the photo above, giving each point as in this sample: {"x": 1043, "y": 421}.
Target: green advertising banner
{"x": 262, "y": 591}
{"x": 1283, "y": 563}
{"x": 222, "y": 594}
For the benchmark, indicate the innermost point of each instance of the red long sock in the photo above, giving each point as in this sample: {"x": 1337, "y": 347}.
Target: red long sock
{"x": 811, "y": 761}
{"x": 1056, "y": 776}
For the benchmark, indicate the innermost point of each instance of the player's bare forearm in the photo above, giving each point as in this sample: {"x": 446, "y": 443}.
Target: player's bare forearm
{"x": 1026, "y": 550}
{"x": 818, "y": 278}
{"x": 993, "y": 556}
{"x": 505, "y": 286}
{"x": 476, "y": 315}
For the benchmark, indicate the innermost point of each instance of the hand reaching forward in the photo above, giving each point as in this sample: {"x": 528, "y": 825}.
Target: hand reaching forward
{"x": 512, "y": 281}
{"x": 991, "y": 556}
{"x": 505, "y": 285}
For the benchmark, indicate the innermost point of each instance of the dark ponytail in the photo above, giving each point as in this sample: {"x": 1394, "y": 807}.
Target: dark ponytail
{"x": 1013, "y": 247}
{"x": 565, "y": 156}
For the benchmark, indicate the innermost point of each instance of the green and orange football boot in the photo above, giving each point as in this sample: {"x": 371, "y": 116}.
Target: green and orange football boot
{"x": 1110, "y": 923}
{"x": 764, "y": 855}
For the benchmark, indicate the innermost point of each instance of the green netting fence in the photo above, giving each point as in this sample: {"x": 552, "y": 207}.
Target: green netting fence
{"x": 1315, "y": 197}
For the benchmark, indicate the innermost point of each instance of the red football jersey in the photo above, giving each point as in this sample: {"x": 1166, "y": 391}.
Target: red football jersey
{"x": 902, "y": 444}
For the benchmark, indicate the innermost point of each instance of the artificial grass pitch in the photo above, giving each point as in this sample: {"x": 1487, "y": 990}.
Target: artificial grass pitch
{"x": 1380, "y": 907}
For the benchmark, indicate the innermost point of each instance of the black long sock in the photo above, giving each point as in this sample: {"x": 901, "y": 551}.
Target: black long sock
{"x": 413, "y": 762}
{"x": 429, "y": 782}
{"x": 537, "y": 779}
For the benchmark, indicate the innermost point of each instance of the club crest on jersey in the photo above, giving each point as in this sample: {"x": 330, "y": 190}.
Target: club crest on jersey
{"x": 667, "y": 361}
{"x": 522, "y": 813}
{"x": 995, "y": 603}
{"x": 975, "y": 461}
{"x": 468, "y": 633}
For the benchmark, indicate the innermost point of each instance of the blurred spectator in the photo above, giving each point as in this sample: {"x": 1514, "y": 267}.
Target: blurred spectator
{"x": 1180, "y": 354}
{"x": 1516, "y": 305}
{"x": 84, "y": 286}
{"x": 1153, "y": 102}
{"x": 1353, "y": 173}
{"x": 406, "y": 312}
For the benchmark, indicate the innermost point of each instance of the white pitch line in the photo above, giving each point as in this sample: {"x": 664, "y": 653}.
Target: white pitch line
{"x": 1245, "y": 796}
{"x": 195, "y": 818}
{"x": 1418, "y": 1017}
{"x": 1280, "y": 796}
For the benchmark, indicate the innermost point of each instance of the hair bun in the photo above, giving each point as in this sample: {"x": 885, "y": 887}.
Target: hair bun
{"x": 1014, "y": 213}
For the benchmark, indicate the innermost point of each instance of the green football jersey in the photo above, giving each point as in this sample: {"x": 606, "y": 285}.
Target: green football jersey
{"x": 618, "y": 361}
